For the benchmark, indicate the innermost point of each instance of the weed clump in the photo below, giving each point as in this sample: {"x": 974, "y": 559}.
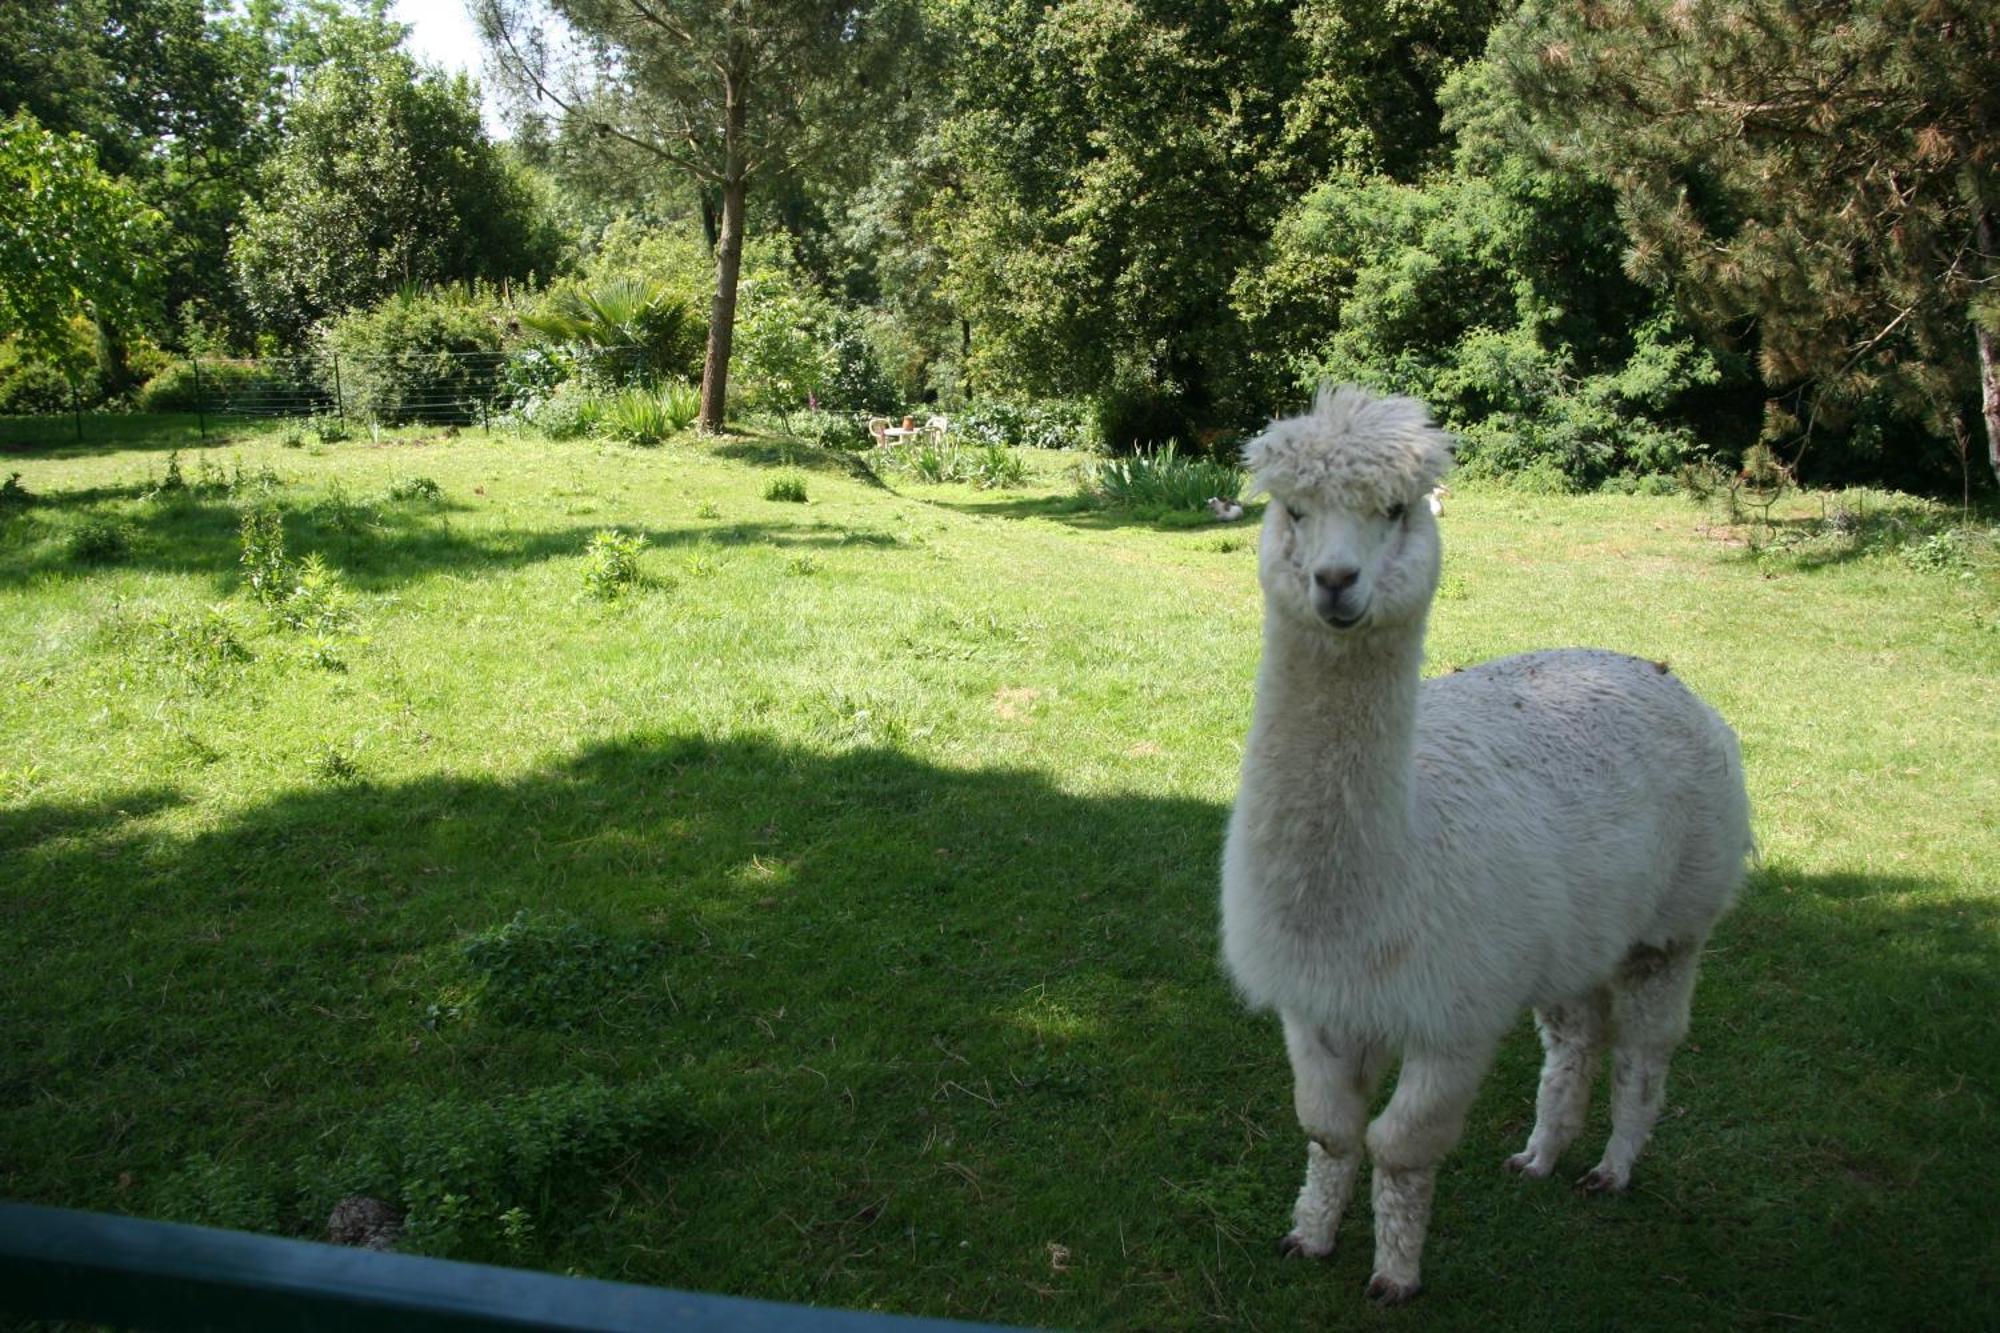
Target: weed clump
{"x": 611, "y": 563}
{"x": 13, "y": 495}
{"x": 477, "y": 1176}
{"x": 786, "y": 490}
{"x": 416, "y": 488}
{"x": 552, "y": 971}
{"x": 100, "y": 541}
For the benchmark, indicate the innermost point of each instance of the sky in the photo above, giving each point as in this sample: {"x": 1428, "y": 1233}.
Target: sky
{"x": 442, "y": 33}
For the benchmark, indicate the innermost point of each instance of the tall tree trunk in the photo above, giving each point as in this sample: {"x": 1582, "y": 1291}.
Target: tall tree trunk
{"x": 728, "y": 265}
{"x": 1989, "y": 356}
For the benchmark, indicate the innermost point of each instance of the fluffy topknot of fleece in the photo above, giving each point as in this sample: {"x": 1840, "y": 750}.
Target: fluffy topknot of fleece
{"x": 1354, "y": 448}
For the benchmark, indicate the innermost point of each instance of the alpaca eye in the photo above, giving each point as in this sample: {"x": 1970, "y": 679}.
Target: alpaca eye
{"x": 1397, "y": 511}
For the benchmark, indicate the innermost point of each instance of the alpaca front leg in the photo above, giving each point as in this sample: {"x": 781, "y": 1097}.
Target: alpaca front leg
{"x": 1419, "y": 1126}
{"x": 1331, "y": 1084}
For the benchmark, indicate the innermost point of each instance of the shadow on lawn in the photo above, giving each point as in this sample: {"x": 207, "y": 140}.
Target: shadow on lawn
{"x": 916, "y": 1004}
{"x": 1083, "y": 511}
{"x": 376, "y": 544}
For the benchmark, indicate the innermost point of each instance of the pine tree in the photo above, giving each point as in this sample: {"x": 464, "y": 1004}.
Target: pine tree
{"x": 1820, "y": 173}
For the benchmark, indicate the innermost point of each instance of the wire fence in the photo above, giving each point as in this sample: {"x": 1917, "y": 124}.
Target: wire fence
{"x": 459, "y": 388}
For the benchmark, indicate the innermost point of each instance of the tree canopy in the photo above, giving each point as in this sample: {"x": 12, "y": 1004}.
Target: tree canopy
{"x": 385, "y": 180}
{"x": 73, "y": 240}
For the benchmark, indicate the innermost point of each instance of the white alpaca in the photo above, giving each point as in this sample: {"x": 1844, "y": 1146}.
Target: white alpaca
{"x": 1410, "y": 864}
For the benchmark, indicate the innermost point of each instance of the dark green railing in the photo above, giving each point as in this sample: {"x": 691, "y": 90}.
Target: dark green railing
{"x": 60, "y": 1264}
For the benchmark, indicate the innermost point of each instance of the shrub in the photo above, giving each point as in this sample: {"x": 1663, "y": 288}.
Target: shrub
{"x": 622, "y": 330}
{"x": 569, "y": 412}
{"x": 1164, "y": 479}
{"x": 219, "y": 386}
{"x": 831, "y": 430}
{"x": 789, "y": 490}
{"x": 1053, "y": 423}
{"x": 36, "y": 388}
{"x": 35, "y": 383}
{"x": 611, "y": 563}
{"x": 433, "y": 356}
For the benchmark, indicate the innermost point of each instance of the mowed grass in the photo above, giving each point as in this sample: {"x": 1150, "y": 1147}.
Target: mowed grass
{"x": 828, "y": 913}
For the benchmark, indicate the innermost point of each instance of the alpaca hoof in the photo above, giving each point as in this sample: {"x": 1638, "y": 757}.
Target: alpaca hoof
{"x": 1524, "y": 1164}
{"x": 1598, "y": 1180}
{"x": 1386, "y": 1291}
{"x": 1294, "y": 1246}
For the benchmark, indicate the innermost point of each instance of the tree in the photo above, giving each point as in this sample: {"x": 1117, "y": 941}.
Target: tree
{"x": 726, "y": 93}
{"x": 73, "y": 241}
{"x": 1820, "y": 174}
{"x": 385, "y": 180}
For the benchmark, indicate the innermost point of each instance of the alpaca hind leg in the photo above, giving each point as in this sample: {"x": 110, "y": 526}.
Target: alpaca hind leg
{"x": 1572, "y": 1040}
{"x": 1331, "y": 1085}
{"x": 1652, "y": 993}
{"x": 1419, "y": 1126}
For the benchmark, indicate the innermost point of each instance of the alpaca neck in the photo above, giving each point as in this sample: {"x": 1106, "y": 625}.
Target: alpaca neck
{"x": 1342, "y": 717}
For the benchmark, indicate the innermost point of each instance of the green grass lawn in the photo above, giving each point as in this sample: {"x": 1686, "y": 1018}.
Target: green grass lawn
{"x": 831, "y": 916}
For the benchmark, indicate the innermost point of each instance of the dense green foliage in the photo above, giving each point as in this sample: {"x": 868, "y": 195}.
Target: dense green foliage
{"x": 418, "y": 356}
{"x": 72, "y": 239}
{"x": 385, "y": 180}
{"x": 1603, "y": 241}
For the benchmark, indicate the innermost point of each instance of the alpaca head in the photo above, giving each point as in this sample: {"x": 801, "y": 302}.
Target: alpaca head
{"x": 1349, "y": 543}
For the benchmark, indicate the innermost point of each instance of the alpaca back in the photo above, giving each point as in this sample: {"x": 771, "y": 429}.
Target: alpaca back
{"x": 1605, "y": 800}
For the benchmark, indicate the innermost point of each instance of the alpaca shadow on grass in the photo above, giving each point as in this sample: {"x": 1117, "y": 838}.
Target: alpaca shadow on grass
{"x": 913, "y": 1003}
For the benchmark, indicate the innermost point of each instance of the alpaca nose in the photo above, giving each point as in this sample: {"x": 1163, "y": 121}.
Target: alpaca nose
{"x": 1336, "y": 578}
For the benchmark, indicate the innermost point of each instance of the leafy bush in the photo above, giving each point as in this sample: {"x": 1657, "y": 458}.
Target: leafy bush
{"x": 831, "y": 430}
{"x": 36, "y": 382}
{"x": 571, "y": 411}
{"x": 35, "y": 388}
{"x": 221, "y": 384}
{"x": 681, "y": 402}
{"x": 1051, "y": 423}
{"x": 1164, "y": 479}
{"x": 611, "y": 563}
{"x": 789, "y": 490}
{"x": 432, "y": 356}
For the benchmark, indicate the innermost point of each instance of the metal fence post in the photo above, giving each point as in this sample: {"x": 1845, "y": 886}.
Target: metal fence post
{"x": 339, "y": 407}
{"x": 200, "y": 400}
{"x": 76, "y": 406}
